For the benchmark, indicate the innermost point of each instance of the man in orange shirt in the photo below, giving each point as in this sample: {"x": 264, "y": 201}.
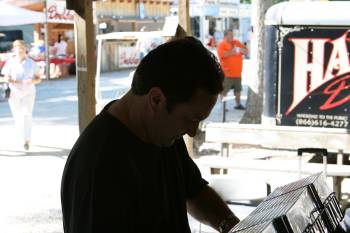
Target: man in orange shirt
{"x": 231, "y": 52}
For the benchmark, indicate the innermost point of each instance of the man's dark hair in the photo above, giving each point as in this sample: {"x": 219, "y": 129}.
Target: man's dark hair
{"x": 227, "y": 31}
{"x": 178, "y": 68}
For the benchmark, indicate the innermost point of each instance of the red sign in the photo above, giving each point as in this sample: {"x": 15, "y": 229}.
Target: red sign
{"x": 58, "y": 13}
{"x": 127, "y": 57}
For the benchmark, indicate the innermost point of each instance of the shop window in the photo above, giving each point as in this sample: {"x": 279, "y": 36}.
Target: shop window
{"x": 7, "y": 37}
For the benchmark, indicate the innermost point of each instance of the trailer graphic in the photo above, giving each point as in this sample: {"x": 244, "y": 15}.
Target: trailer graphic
{"x": 315, "y": 74}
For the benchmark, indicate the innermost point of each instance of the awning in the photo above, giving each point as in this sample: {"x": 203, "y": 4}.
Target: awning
{"x": 11, "y": 15}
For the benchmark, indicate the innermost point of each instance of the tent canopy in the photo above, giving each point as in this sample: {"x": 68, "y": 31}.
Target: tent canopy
{"x": 11, "y": 15}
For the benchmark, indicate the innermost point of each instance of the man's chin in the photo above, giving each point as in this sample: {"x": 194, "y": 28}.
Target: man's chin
{"x": 168, "y": 143}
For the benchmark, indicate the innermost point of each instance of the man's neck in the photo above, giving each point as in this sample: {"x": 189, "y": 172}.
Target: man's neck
{"x": 130, "y": 111}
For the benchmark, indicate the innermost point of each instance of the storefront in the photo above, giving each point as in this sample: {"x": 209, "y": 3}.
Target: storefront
{"x": 211, "y": 18}
{"x": 59, "y": 21}
{"x": 131, "y": 15}
{"x": 127, "y": 16}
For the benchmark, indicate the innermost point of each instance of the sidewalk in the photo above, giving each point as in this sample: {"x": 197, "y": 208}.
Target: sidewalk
{"x": 30, "y": 181}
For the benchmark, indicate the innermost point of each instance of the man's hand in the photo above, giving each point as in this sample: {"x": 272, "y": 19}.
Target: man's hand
{"x": 235, "y": 51}
{"x": 209, "y": 208}
{"x": 227, "y": 224}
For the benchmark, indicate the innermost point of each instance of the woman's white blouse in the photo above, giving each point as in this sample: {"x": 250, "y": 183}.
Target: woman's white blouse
{"x": 20, "y": 70}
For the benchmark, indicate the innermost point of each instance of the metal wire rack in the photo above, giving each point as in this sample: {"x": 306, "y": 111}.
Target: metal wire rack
{"x": 327, "y": 219}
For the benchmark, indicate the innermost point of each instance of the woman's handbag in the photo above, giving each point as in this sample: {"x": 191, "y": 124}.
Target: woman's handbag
{"x": 7, "y": 92}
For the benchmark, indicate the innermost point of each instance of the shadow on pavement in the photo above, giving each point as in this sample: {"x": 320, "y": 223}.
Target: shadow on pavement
{"x": 38, "y": 150}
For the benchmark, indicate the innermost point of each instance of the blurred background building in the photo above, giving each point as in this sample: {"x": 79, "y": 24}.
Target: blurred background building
{"x": 209, "y": 19}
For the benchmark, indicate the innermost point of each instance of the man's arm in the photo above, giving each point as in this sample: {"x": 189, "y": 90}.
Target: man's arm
{"x": 224, "y": 52}
{"x": 230, "y": 53}
{"x": 7, "y": 78}
{"x": 244, "y": 49}
{"x": 38, "y": 72}
{"x": 37, "y": 77}
{"x": 209, "y": 208}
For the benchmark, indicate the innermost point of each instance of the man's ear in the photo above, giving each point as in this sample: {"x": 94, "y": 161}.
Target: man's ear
{"x": 156, "y": 98}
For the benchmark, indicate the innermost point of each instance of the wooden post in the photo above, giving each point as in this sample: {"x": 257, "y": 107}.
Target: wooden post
{"x": 86, "y": 64}
{"x": 184, "y": 29}
{"x": 184, "y": 15}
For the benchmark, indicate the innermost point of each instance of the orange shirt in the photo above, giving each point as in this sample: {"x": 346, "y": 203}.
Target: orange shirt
{"x": 233, "y": 64}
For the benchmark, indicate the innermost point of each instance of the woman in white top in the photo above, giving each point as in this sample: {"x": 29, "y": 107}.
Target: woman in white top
{"x": 61, "y": 47}
{"x": 22, "y": 73}
{"x": 61, "y": 52}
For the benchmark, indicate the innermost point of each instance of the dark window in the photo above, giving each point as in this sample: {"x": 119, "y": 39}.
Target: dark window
{"x": 195, "y": 21}
{"x": 7, "y": 37}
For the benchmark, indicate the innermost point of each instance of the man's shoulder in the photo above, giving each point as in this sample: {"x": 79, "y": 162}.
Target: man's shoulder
{"x": 100, "y": 138}
{"x": 103, "y": 123}
{"x": 236, "y": 41}
{"x": 105, "y": 128}
{"x": 222, "y": 42}
{"x": 222, "y": 45}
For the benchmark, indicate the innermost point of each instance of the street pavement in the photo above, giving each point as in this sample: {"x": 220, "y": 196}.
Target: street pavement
{"x": 30, "y": 180}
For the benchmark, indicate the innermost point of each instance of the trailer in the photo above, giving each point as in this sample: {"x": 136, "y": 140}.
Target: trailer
{"x": 306, "y": 81}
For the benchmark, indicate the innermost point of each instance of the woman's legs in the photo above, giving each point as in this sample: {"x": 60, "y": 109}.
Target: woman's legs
{"x": 22, "y": 111}
{"x": 16, "y": 110}
{"x": 27, "y": 111}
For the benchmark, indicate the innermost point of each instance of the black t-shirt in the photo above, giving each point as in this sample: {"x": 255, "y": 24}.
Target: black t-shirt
{"x": 114, "y": 182}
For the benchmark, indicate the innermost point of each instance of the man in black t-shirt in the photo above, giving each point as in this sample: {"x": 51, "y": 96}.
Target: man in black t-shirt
{"x": 129, "y": 171}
